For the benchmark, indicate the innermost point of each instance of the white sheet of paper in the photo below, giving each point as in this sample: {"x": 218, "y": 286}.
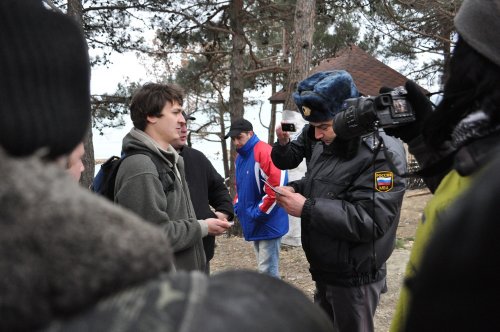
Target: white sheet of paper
{"x": 272, "y": 187}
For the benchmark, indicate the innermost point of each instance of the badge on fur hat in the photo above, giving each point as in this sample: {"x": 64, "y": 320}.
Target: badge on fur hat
{"x": 306, "y": 110}
{"x": 384, "y": 181}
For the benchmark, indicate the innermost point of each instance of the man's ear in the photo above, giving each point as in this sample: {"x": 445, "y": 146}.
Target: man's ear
{"x": 152, "y": 119}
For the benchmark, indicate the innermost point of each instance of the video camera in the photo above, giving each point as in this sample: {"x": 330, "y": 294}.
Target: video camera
{"x": 365, "y": 114}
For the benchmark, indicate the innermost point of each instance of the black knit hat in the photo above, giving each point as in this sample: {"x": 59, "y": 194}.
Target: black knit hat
{"x": 44, "y": 80}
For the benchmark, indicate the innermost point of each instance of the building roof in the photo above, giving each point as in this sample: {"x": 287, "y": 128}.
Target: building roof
{"x": 369, "y": 74}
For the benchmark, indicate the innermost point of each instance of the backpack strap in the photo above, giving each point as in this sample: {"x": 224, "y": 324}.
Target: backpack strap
{"x": 166, "y": 174}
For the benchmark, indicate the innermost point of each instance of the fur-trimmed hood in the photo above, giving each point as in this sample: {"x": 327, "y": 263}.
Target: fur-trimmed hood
{"x": 62, "y": 248}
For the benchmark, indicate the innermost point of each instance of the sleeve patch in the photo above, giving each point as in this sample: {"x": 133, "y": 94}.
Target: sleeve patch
{"x": 384, "y": 181}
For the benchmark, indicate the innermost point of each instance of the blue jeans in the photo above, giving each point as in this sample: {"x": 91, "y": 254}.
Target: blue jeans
{"x": 268, "y": 256}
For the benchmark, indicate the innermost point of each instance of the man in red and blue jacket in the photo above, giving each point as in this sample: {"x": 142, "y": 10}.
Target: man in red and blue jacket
{"x": 262, "y": 220}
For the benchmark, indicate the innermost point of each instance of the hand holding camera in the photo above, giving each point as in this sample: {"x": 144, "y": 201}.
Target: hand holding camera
{"x": 282, "y": 136}
{"x": 401, "y": 111}
{"x": 364, "y": 115}
{"x": 422, "y": 108}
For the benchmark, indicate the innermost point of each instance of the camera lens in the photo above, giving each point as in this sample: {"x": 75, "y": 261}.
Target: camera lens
{"x": 356, "y": 120}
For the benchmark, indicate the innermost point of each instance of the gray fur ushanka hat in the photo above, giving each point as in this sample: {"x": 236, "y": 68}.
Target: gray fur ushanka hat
{"x": 320, "y": 96}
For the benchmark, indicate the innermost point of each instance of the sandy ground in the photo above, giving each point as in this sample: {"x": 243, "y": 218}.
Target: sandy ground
{"x": 235, "y": 253}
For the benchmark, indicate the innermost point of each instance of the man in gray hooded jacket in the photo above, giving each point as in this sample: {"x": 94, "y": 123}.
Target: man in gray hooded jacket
{"x": 156, "y": 111}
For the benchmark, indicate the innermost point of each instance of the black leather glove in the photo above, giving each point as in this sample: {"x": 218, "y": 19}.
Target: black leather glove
{"x": 422, "y": 108}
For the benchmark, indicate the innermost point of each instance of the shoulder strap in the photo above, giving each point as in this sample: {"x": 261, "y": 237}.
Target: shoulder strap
{"x": 166, "y": 174}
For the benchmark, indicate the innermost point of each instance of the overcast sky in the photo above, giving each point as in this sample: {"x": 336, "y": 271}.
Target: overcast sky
{"x": 105, "y": 79}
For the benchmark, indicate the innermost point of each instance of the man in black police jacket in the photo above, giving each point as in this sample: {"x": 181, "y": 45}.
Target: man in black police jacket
{"x": 206, "y": 188}
{"x": 349, "y": 202}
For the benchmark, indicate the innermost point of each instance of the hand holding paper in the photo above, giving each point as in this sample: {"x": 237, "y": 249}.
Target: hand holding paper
{"x": 292, "y": 202}
{"x": 273, "y": 188}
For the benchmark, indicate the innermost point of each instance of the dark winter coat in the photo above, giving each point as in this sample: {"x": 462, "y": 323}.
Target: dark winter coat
{"x": 350, "y": 218}
{"x": 456, "y": 283}
{"x": 63, "y": 248}
{"x": 207, "y": 189}
{"x": 462, "y": 211}
{"x": 301, "y": 145}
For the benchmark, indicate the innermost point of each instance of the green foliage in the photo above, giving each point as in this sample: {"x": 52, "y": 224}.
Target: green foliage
{"x": 199, "y": 32}
{"x": 332, "y": 36}
{"x": 411, "y": 28}
{"x": 108, "y": 110}
{"x": 189, "y": 76}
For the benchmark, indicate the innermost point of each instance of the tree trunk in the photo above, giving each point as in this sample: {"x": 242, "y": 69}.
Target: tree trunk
{"x": 236, "y": 84}
{"x": 223, "y": 142}
{"x": 305, "y": 13}
{"x": 75, "y": 10}
{"x": 272, "y": 122}
{"x": 446, "y": 58}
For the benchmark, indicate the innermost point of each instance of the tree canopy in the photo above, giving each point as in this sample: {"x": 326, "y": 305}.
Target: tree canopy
{"x": 219, "y": 50}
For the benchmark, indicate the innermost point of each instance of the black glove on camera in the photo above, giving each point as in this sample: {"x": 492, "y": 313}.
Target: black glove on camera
{"x": 422, "y": 108}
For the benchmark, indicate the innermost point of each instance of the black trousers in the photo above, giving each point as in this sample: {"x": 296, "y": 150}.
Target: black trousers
{"x": 351, "y": 309}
